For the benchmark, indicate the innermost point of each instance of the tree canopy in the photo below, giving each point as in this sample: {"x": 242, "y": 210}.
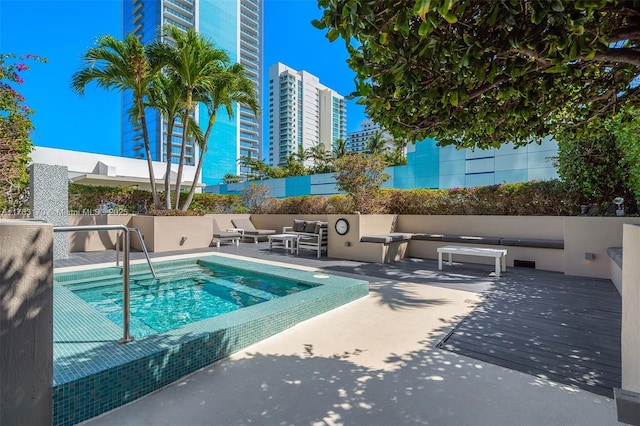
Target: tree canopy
{"x": 15, "y": 126}
{"x": 484, "y": 73}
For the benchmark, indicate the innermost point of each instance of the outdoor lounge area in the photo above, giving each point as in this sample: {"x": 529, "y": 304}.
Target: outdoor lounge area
{"x": 539, "y": 344}
{"x": 467, "y": 347}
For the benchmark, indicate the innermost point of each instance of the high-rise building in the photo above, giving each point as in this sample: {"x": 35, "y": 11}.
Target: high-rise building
{"x": 302, "y": 113}
{"x": 235, "y": 26}
{"x": 358, "y": 141}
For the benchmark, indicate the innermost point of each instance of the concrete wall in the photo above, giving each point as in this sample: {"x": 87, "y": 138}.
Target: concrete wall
{"x": 94, "y": 240}
{"x": 168, "y": 233}
{"x": 592, "y": 235}
{"x": 224, "y": 220}
{"x": 26, "y": 322}
{"x": 581, "y": 235}
{"x": 490, "y": 226}
{"x": 630, "y": 311}
{"x": 547, "y": 227}
{"x": 348, "y": 246}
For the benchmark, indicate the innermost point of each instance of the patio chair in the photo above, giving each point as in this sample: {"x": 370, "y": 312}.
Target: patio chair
{"x": 229, "y": 235}
{"x": 250, "y": 231}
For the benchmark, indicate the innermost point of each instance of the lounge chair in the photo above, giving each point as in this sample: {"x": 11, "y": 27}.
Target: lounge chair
{"x": 229, "y": 235}
{"x": 250, "y": 231}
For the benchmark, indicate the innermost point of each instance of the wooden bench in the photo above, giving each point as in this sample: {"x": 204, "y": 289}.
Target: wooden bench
{"x": 500, "y": 255}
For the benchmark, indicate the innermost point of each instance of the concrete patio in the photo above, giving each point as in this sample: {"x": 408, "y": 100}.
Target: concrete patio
{"x": 372, "y": 362}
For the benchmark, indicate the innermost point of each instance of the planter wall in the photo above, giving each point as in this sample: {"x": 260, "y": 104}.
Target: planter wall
{"x": 95, "y": 241}
{"x": 169, "y": 233}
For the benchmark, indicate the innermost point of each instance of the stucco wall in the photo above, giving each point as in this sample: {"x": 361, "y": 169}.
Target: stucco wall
{"x": 630, "y": 311}
{"x": 168, "y": 233}
{"x": 490, "y": 226}
{"x": 26, "y": 322}
{"x": 592, "y": 235}
{"x": 94, "y": 240}
{"x": 348, "y": 246}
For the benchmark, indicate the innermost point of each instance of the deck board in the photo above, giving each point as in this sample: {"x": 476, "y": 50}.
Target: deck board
{"x": 566, "y": 329}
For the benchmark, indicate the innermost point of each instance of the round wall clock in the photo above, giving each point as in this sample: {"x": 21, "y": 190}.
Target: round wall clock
{"x": 342, "y": 226}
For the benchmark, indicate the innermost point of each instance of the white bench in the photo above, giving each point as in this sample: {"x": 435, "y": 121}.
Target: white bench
{"x": 500, "y": 255}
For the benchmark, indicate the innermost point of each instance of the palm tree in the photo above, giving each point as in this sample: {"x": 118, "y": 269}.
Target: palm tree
{"x": 124, "y": 66}
{"x": 377, "y": 143}
{"x": 321, "y": 158}
{"x": 397, "y": 155}
{"x": 340, "y": 149}
{"x": 225, "y": 89}
{"x": 196, "y": 61}
{"x": 166, "y": 95}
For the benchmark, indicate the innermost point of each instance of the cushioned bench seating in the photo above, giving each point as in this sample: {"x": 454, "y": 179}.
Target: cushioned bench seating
{"x": 615, "y": 266}
{"x": 470, "y": 239}
{"x": 532, "y": 242}
{"x": 497, "y": 241}
{"x": 615, "y": 253}
{"x": 386, "y": 238}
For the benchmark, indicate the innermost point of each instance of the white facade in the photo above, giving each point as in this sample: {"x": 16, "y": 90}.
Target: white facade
{"x": 302, "y": 112}
{"x": 109, "y": 170}
{"x": 358, "y": 141}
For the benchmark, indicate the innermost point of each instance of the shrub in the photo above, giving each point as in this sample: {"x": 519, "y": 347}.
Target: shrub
{"x": 254, "y": 197}
{"x": 88, "y": 198}
{"x": 307, "y": 204}
{"x": 595, "y": 166}
{"x": 176, "y": 212}
{"x": 216, "y": 203}
{"x": 360, "y": 176}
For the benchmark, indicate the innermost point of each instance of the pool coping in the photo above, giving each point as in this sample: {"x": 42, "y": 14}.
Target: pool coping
{"x": 105, "y": 375}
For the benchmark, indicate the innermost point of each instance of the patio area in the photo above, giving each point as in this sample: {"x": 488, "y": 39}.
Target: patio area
{"x": 425, "y": 347}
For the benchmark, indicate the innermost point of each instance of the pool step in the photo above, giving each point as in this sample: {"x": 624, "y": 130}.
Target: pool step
{"x": 115, "y": 277}
{"x": 243, "y": 288}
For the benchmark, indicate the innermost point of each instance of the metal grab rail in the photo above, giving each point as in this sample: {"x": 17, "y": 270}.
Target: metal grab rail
{"x": 144, "y": 250}
{"x": 126, "y": 336}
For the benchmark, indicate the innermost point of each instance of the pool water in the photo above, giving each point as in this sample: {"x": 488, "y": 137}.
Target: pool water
{"x": 183, "y": 296}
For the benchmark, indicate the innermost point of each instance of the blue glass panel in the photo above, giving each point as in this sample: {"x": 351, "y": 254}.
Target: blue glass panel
{"x": 511, "y": 162}
{"x": 480, "y": 165}
{"x": 480, "y": 179}
{"x": 511, "y": 176}
{"x": 452, "y": 181}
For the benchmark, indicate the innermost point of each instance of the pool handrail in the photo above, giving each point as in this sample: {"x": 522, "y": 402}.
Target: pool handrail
{"x": 126, "y": 335}
{"x": 144, "y": 250}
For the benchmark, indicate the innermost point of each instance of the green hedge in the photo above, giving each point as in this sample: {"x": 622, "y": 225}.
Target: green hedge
{"x": 546, "y": 198}
{"x": 87, "y": 199}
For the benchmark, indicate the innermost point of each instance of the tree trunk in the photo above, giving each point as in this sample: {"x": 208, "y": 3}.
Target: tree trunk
{"x": 185, "y": 128}
{"x": 167, "y": 173}
{"x": 145, "y": 137}
{"x": 205, "y": 142}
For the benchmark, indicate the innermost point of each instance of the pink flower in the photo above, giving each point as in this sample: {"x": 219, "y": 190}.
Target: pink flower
{"x": 21, "y": 67}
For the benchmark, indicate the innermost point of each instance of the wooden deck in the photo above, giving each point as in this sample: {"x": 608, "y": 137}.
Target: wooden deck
{"x": 566, "y": 329}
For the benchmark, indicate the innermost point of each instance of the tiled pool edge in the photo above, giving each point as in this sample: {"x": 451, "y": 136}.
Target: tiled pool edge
{"x": 197, "y": 345}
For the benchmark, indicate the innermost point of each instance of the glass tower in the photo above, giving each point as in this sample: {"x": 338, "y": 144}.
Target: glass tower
{"x": 232, "y": 25}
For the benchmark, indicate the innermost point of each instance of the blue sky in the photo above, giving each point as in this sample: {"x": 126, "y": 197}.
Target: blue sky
{"x": 62, "y": 30}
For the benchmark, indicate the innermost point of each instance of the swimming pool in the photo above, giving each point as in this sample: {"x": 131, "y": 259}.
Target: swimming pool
{"x": 94, "y": 374}
{"x": 182, "y": 295}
